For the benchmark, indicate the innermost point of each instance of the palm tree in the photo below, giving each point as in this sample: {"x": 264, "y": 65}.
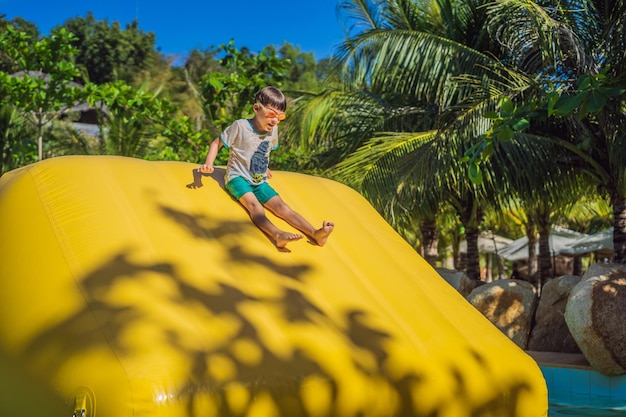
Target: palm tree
{"x": 580, "y": 46}
{"x": 403, "y": 57}
{"x": 545, "y": 184}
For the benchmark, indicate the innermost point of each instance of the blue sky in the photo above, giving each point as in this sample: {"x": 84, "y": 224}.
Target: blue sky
{"x": 314, "y": 26}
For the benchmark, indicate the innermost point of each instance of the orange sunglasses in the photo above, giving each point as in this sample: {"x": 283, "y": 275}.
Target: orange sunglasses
{"x": 271, "y": 113}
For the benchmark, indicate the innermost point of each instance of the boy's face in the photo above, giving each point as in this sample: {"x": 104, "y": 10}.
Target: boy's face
{"x": 267, "y": 117}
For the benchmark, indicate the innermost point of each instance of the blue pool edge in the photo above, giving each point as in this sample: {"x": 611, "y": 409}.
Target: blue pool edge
{"x": 574, "y": 385}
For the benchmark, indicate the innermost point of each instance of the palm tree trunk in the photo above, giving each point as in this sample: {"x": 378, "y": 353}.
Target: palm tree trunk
{"x": 473, "y": 257}
{"x": 544, "y": 260}
{"x": 578, "y": 266}
{"x": 430, "y": 241}
{"x": 531, "y": 234}
{"x": 619, "y": 227}
{"x": 545, "y": 252}
{"x": 456, "y": 237}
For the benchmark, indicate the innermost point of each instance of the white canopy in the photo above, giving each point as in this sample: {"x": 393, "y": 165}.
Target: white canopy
{"x": 559, "y": 239}
{"x": 487, "y": 243}
{"x": 602, "y": 240}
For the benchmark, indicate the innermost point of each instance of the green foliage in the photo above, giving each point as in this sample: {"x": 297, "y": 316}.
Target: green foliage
{"x": 228, "y": 94}
{"x": 45, "y": 86}
{"x": 593, "y": 94}
{"x": 302, "y": 72}
{"x": 108, "y": 52}
{"x": 16, "y": 145}
{"x": 507, "y": 121}
{"x": 133, "y": 118}
{"x": 185, "y": 141}
{"x": 419, "y": 85}
{"x": 31, "y": 35}
{"x": 133, "y": 121}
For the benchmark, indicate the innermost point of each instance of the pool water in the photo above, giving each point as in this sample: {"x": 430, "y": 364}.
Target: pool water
{"x": 557, "y": 410}
{"x": 584, "y": 392}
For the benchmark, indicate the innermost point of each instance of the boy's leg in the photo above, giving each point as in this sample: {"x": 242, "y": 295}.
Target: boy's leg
{"x": 281, "y": 209}
{"x": 257, "y": 214}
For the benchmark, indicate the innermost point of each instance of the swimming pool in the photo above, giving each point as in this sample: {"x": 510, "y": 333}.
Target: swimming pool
{"x": 581, "y": 391}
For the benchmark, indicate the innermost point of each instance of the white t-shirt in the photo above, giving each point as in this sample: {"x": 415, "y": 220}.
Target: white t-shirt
{"x": 249, "y": 150}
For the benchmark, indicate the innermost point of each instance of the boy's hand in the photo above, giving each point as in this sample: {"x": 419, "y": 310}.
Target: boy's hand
{"x": 268, "y": 174}
{"x": 206, "y": 169}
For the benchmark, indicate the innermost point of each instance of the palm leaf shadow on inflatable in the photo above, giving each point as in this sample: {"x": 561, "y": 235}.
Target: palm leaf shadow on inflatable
{"x": 168, "y": 301}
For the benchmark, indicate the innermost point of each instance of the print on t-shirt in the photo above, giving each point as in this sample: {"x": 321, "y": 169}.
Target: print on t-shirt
{"x": 259, "y": 162}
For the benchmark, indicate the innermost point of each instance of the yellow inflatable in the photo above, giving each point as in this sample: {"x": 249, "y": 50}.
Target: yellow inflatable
{"x": 135, "y": 288}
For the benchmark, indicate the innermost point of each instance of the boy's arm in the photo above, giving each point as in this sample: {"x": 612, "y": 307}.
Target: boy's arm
{"x": 211, "y": 155}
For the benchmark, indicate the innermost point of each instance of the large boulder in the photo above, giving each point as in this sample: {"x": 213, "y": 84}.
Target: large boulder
{"x": 595, "y": 315}
{"x": 550, "y": 333}
{"x": 509, "y": 304}
{"x": 459, "y": 280}
{"x": 452, "y": 276}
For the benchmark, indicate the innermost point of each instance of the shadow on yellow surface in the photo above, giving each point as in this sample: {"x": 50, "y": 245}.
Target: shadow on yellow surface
{"x": 138, "y": 288}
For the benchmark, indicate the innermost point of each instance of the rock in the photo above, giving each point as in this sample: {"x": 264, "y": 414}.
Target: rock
{"x": 459, "y": 280}
{"x": 509, "y": 304}
{"x": 452, "y": 276}
{"x": 550, "y": 332}
{"x": 469, "y": 285}
{"x": 595, "y": 315}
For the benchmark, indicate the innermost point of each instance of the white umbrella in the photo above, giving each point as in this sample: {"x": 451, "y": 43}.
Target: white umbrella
{"x": 487, "y": 243}
{"x": 591, "y": 243}
{"x": 559, "y": 239}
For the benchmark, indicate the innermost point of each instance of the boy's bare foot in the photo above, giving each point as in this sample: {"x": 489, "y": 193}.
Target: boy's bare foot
{"x": 321, "y": 235}
{"x": 283, "y": 238}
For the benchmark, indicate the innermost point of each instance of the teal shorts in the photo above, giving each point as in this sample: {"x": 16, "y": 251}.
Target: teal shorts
{"x": 238, "y": 186}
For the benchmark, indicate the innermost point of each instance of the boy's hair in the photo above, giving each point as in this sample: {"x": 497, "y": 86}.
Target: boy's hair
{"x": 273, "y": 97}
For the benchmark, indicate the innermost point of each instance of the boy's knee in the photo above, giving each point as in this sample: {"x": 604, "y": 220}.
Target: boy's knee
{"x": 256, "y": 207}
{"x": 280, "y": 208}
{"x": 253, "y": 205}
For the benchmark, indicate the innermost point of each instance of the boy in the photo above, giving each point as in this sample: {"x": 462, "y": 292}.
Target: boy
{"x": 250, "y": 142}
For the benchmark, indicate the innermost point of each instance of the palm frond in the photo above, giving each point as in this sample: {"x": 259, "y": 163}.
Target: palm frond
{"x": 374, "y": 165}
{"x": 332, "y": 124}
{"x": 380, "y": 172}
{"x": 417, "y": 15}
{"x": 362, "y": 14}
{"x": 408, "y": 62}
{"x": 537, "y": 38}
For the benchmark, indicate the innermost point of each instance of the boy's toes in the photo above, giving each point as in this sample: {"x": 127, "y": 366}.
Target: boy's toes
{"x": 283, "y": 238}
